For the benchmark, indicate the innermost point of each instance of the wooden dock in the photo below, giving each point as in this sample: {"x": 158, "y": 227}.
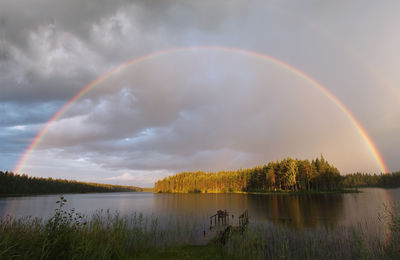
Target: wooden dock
{"x": 221, "y": 226}
{"x": 221, "y": 218}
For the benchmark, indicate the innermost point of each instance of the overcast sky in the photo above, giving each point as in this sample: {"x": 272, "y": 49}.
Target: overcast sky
{"x": 203, "y": 109}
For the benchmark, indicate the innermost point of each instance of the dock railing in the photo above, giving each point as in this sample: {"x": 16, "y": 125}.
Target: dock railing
{"x": 221, "y": 218}
{"x": 244, "y": 219}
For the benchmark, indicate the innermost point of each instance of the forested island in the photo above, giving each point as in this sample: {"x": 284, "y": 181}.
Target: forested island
{"x": 285, "y": 175}
{"x": 288, "y": 175}
{"x": 14, "y": 184}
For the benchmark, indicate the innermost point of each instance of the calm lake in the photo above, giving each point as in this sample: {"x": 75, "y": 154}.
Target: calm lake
{"x": 326, "y": 211}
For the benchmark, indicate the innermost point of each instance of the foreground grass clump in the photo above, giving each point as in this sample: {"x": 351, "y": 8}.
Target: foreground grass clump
{"x": 69, "y": 235}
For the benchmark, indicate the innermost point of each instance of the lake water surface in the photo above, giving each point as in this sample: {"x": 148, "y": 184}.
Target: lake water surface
{"x": 327, "y": 211}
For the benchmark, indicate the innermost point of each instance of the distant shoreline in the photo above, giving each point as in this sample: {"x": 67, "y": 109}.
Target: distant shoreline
{"x": 21, "y": 185}
{"x": 61, "y": 193}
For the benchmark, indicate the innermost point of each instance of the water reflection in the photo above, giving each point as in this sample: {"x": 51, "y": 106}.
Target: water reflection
{"x": 299, "y": 211}
{"x": 202, "y": 206}
{"x": 326, "y": 211}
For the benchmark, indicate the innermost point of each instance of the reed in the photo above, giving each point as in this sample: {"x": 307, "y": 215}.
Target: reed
{"x": 105, "y": 235}
{"x": 267, "y": 241}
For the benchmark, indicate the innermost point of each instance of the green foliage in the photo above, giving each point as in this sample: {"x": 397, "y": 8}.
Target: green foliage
{"x": 11, "y": 183}
{"x": 286, "y": 175}
{"x": 388, "y": 180}
{"x": 59, "y": 229}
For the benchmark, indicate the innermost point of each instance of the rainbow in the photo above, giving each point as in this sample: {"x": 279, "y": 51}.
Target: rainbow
{"x": 374, "y": 150}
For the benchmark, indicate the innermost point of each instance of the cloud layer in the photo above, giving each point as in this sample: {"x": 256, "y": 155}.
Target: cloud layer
{"x": 193, "y": 110}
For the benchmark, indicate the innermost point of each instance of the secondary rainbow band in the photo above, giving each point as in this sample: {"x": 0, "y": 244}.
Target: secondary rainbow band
{"x": 261, "y": 56}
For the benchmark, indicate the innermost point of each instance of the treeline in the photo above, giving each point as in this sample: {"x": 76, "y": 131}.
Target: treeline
{"x": 389, "y": 180}
{"x": 11, "y": 184}
{"x": 285, "y": 175}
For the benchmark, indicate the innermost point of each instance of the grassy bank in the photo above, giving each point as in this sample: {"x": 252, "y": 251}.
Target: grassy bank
{"x": 69, "y": 235}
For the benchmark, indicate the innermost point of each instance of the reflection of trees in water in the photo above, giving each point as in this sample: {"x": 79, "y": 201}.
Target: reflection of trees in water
{"x": 298, "y": 211}
{"x": 295, "y": 211}
{"x": 201, "y": 206}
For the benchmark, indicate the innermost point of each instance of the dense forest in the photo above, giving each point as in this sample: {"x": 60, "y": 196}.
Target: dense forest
{"x": 11, "y": 183}
{"x": 285, "y": 175}
{"x": 390, "y": 180}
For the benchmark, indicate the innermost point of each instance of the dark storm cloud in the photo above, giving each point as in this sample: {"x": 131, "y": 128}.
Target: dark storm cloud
{"x": 51, "y": 49}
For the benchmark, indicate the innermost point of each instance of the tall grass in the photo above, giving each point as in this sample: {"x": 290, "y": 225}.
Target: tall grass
{"x": 265, "y": 241}
{"x": 105, "y": 235}
{"x": 283, "y": 243}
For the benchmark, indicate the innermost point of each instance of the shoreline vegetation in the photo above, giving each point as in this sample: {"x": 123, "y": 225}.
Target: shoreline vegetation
{"x": 19, "y": 185}
{"x": 104, "y": 235}
{"x": 288, "y": 176}
{"x": 364, "y": 180}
